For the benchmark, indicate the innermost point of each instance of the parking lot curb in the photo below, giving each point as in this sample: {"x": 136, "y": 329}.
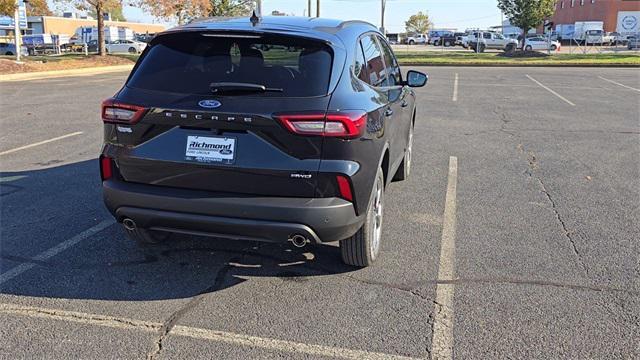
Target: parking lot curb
{"x": 63, "y": 73}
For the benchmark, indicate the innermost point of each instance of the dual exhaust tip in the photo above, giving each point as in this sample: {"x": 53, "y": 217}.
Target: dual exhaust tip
{"x": 129, "y": 224}
{"x": 297, "y": 240}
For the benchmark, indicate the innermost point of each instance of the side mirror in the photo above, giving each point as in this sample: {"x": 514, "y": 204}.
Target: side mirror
{"x": 416, "y": 78}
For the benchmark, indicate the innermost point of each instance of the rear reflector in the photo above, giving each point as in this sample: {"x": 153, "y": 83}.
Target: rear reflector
{"x": 105, "y": 168}
{"x": 116, "y": 112}
{"x": 345, "y": 124}
{"x": 345, "y": 187}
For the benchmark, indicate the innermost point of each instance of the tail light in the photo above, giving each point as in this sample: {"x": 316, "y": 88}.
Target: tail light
{"x": 344, "y": 124}
{"x": 116, "y": 112}
{"x": 345, "y": 187}
{"x": 106, "y": 170}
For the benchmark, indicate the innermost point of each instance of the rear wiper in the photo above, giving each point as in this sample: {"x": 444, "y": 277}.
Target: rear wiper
{"x": 229, "y": 87}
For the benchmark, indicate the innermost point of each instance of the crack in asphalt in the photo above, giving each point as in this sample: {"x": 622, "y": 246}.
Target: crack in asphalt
{"x": 533, "y": 166}
{"x": 171, "y": 321}
{"x": 80, "y": 317}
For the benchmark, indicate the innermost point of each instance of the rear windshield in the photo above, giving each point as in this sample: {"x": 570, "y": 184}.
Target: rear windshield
{"x": 189, "y": 62}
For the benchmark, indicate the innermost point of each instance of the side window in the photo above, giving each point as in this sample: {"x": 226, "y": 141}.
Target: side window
{"x": 373, "y": 57}
{"x": 486, "y": 35}
{"x": 392, "y": 75}
{"x": 359, "y": 64}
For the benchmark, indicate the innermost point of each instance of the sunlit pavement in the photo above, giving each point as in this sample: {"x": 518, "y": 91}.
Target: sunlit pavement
{"x": 515, "y": 237}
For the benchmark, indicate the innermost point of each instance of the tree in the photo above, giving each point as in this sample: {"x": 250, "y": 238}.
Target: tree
{"x": 38, "y": 8}
{"x": 115, "y": 13}
{"x": 231, "y": 7}
{"x": 98, "y": 7}
{"x": 7, "y": 7}
{"x": 526, "y": 14}
{"x": 185, "y": 11}
{"x": 418, "y": 23}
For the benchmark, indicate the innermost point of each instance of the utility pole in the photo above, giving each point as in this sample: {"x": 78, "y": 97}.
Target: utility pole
{"x": 309, "y": 8}
{"x": 317, "y": 8}
{"x": 383, "y": 4}
{"x": 259, "y": 7}
{"x": 16, "y": 29}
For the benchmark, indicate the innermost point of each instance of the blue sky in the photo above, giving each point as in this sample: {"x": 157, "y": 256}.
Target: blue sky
{"x": 459, "y": 14}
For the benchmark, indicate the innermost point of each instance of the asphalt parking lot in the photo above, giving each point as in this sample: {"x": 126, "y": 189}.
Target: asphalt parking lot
{"x": 516, "y": 237}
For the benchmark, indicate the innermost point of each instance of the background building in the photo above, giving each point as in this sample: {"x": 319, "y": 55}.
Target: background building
{"x": 69, "y": 25}
{"x": 611, "y": 12}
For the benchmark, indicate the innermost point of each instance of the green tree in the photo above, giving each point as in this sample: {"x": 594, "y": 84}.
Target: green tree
{"x": 418, "y": 23}
{"x": 526, "y": 14}
{"x": 231, "y": 7}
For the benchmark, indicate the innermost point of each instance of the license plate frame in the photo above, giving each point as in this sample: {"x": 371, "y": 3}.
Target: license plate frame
{"x": 211, "y": 149}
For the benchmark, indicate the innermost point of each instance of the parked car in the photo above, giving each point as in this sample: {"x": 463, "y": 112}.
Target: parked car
{"x": 293, "y": 144}
{"x": 10, "y": 49}
{"x": 417, "y": 39}
{"x": 445, "y": 40}
{"x": 491, "y": 40}
{"x": 541, "y": 43}
{"x": 618, "y": 39}
{"x": 125, "y": 46}
{"x": 633, "y": 42}
{"x": 598, "y": 37}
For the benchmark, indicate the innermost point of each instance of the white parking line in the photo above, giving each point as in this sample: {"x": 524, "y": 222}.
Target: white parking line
{"x": 40, "y": 143}
{"x": 196, "y": 333}
{"x": 442, "y": 342}
{"x": 617, "y": 83}
{"x": 455, "y": 88}
{"x": 4, "y": 277}
{"x": 551, "y": 91}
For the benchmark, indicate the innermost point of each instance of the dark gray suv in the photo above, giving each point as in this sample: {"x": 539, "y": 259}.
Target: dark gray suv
{"x": 275, "y": 129}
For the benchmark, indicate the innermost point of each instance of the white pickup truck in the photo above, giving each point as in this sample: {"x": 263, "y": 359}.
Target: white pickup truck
{"x": 417, "y": 39}
{"x": 491, "y": 40}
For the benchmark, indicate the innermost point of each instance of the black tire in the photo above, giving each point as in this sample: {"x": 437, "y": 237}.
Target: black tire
{"x": 132, "y": 50}
{"x": 510, "y": 48}
{"x": 144, "y": 237}
{"x": 436, "y": 43}
{"x": 411, "y": 42}
{"x": 9, "y": 53}
{"x": 528, "y": 48}
{"x": 447, "y": 43}
{"x": 554, "y": 48}
{"x": 362, "y": 248}
{"x": 405, "y": 167}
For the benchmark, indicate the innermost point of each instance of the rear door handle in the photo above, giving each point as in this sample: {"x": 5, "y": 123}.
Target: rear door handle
{"x": 388, "y": 112}
{"x": 404, "y": 103}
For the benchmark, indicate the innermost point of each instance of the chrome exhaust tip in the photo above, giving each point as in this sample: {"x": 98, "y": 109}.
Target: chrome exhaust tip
{"x": 298, "y": 240}
{"x": 129, "y": 224}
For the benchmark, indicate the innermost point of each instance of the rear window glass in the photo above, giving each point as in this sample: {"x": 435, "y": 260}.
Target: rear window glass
{"x": 189, "y": 62}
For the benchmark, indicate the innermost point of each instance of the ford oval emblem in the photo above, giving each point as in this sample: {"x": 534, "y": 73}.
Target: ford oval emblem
{"x": 209, "y": 104}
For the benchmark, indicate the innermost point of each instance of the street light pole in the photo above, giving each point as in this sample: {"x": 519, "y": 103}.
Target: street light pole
{"x": 383, "y": 4}
{"x": 16, "y": 29}
{"x": 317, "y": 8}
{"x": 309, "y": 8}
{"x": 259, "y": 7}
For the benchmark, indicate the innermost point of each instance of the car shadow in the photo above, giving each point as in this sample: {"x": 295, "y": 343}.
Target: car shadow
{"x": 43, "y": 208}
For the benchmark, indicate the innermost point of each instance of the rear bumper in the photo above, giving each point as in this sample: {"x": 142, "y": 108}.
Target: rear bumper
{"x": 271, "y": 219}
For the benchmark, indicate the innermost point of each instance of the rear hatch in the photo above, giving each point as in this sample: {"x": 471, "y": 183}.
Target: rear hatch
{"x": 208, "y": 107}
